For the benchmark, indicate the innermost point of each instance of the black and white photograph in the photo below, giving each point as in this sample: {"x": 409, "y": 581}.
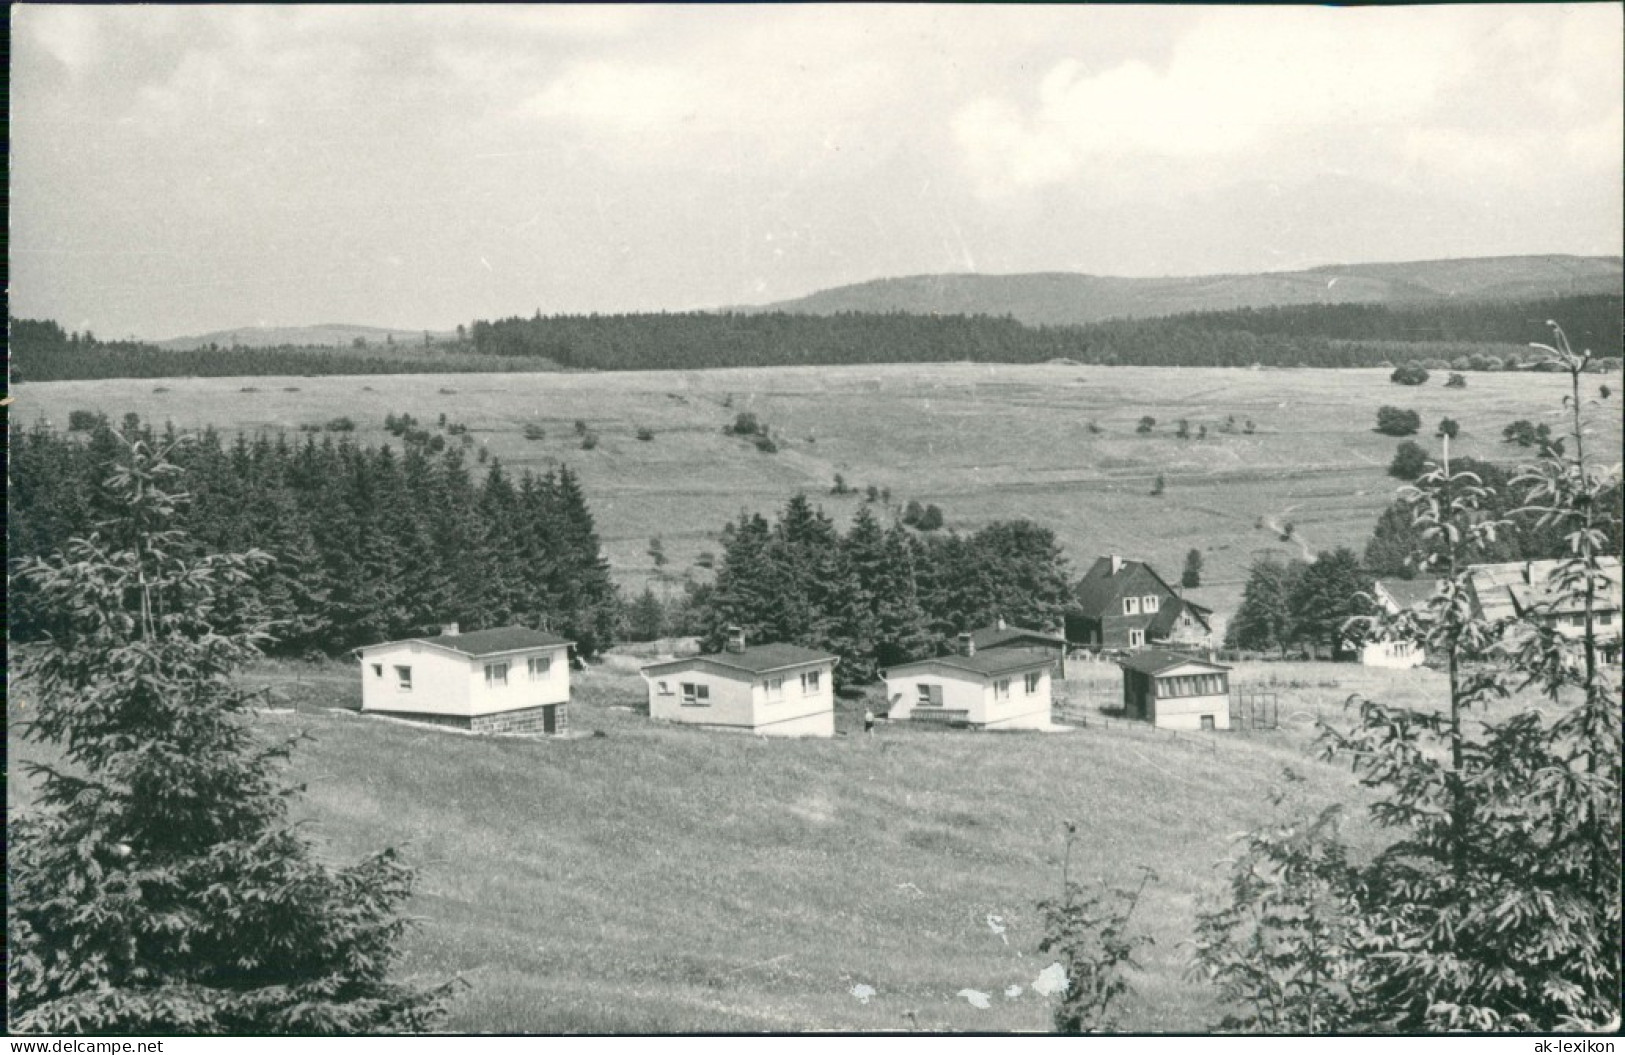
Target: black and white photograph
{"x": 609, "y": 519}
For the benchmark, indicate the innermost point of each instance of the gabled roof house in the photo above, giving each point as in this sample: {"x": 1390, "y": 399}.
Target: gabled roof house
{"x": 1001, "y": 635}
{"x": 1000, "y": 688}
{"x": 1125, "y": 604}
{"x": 1530, "y": 589}
{"x": 1395, "y": 596}
{"x": 773, "y": 690}
{"x": 510, "y": 679}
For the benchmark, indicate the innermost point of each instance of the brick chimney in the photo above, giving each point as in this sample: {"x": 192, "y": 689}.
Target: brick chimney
{"x": 1117, "y": 563}
{"x": 736, "y": 639}
{"x": 450, "y": 629}
{"x": 967, "y": 645}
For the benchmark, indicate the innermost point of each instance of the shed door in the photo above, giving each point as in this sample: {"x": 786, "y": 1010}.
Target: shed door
{"x": 550, "y": 719}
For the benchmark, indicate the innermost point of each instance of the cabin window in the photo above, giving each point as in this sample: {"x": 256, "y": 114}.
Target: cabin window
{"x": 403, "y": 678}
{"x": 1001, "y": 689}
{"x": 928, "y": 695}
{"x": 1578, "y": 619}
{"x": 377, "y": 670}
{"x": 1131, "y": 606}
{"x": 1207, "y": 723}
{"x": 1136, "y": 638}
{"x": 1149, "y": 604}
{"x": 809, "y": 683}
{"x": 775, "y": 688}
{"x": 1605, "y": 618}
{"x": 496, "y": 675}
{"x": 662, "y": 688}
{"x": 696, "y": 695}
{"x": 539, "y": 667}
{"x": 1032, "y": 682}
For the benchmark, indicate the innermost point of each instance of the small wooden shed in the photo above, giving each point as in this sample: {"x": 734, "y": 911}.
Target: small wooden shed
{"x": 1172, "y": 690}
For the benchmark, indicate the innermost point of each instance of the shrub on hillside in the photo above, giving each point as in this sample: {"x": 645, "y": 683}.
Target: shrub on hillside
{"x": 1449, "y": 428}
{"x": 84, "y": 420}
{"x": 1410, "y": 460}
{"x": 765, "y": 444}
{"x": 589, "y": 440}
{"x": 341, "y": 425}
{"x": 1409, "y": 374}
{"x": 1392, "y": 421}
{"x": 1455, "y": 381}
{"x": 645, "y": 434}
{"x": 535, "y": 432}
{"x": 1146, "y": 424}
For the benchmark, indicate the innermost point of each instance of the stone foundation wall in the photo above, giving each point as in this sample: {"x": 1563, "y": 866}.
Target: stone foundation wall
{"x": 527, "y": 720}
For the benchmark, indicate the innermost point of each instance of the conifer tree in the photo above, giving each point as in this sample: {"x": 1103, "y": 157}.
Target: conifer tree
{"x": 158, "y": 887}
{"x": 1264, "y": 619}
{"x": 1331, "y": 591}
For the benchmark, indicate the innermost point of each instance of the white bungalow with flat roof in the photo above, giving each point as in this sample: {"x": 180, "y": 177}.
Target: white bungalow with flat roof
{"x": 1175, "y": 691}
{"x": 774, "y": 690}
{"x": 510, "y": 679}
{"x": 1000, "y": 688}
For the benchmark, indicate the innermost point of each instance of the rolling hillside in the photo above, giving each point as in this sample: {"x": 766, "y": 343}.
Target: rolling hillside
{"x": 984, "y": 442}
{"x": 648, "y": 878}
{"x": 1057, "y": 298}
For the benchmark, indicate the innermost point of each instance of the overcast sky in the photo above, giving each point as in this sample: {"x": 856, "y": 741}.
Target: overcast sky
{"x": 178, "y": 170}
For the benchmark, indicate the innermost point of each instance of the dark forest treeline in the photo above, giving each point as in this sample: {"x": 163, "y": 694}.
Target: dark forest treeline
{"x": 1311, "y": 335}
{"x": 369, "y": 544}
{"x": 878, "y": 595}
{"x": 1592, "y": 320}
{"x": 1322, "y": 335}
{"x": 40, "y": 350}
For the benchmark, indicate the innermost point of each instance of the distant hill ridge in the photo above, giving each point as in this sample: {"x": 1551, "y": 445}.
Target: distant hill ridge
{"x": 1067, "y": 298}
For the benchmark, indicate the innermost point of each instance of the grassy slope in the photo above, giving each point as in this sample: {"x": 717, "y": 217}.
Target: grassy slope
{"x": 984, "y": 442}
{"x": 665, "y": 879}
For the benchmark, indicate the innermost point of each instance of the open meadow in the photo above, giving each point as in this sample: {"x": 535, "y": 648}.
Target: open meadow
{"x": 657, "y": 878}
{"x": 984, "y": 442}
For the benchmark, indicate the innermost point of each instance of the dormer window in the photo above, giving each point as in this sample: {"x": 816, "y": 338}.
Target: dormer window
{"x": 1131, "y": 606}
{"x": 1149, "y": 604}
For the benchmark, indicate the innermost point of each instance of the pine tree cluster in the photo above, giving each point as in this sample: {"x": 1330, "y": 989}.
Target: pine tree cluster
{"x": 369, "y": 545}
{"x": 878, "y": 595}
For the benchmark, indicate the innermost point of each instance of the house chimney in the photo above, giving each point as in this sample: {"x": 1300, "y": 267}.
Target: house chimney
{"x": 736, "y": 639}
{"x": 1001, "y": 623}
{"x": 449, "y": 629}
{"x": 1117, "y": 563}
{"x": 967, "y": 645}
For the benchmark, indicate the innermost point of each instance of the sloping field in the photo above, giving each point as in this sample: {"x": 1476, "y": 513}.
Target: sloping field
{"x": 985, "y": 442}
{"x": 660, "y": 879}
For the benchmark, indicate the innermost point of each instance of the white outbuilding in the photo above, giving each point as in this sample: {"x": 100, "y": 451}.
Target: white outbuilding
{"x": 508, "y": 680}
{"x": 999, "y": 688}
{"x": 1174, "y": 691}
{"x": 773, "y": 690}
